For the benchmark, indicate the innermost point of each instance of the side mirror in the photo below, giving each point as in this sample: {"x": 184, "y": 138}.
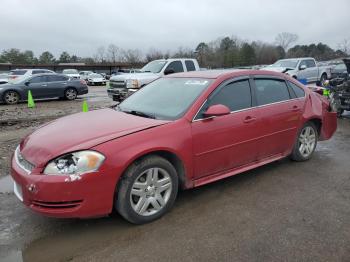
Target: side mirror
{"x": 302, "y": 67}
{"x": 169, "y": 71}
{"x": 217, "y": 110}
{"x": 27, "y": 83}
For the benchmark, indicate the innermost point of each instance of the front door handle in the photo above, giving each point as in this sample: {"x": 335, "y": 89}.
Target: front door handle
{"x": 44, "y": 85}
{"x": 295, "y": 108}
{"x": 249, "y": 119}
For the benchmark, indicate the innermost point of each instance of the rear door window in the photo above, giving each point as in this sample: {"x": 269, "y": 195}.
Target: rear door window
{"x": 176, "y": 66}
{"x": 270, "y": 91}
{"x": 38, "y": 79}
{"x": 190, "y": 65}
{"x": 56, "y": 78}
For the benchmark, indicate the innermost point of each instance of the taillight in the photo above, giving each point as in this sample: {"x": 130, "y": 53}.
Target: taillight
{"x": 82, "y": 81}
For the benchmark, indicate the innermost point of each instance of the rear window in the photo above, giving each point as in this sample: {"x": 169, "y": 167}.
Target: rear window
{"x": 18, "y": 72}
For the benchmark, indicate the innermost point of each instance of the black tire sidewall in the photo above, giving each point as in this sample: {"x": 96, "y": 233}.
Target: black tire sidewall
{"x": 122, "y": 201}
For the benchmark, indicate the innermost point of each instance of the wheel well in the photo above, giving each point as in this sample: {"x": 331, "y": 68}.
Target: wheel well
{"x": 174, "y": 160}
{"x": 318, "y": 123}
{"x": 70, "y": 87}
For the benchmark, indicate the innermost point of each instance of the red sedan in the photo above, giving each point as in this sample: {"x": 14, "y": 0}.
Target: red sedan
{"x": 180, "y": 131}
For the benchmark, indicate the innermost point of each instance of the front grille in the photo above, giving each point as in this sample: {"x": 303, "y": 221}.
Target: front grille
{"x": 117, "y": 84}
{"x": 22, "y": 162}
{"x": 57, "y": 205}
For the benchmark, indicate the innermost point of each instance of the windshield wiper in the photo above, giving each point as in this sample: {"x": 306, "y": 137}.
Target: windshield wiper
{"x": 139, "y": 113}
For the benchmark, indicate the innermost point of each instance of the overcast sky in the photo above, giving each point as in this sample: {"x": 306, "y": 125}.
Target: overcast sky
{"x": 81, "y": 26}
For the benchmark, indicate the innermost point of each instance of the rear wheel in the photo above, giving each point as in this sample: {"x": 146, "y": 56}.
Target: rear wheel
{"x": 323, "y": 78}
{"x": 70, "y": 94}
{"x": 306, "y": 143}
{"x": 147, "y": 190}
{"x": 11, "y": 97}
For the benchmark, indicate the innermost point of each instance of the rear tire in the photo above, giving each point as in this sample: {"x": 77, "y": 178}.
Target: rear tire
{"x": 147, "y": 190}
{"x": 70, "y": 94}
{"x": 305, "y": 143}
{"x": 11, "y": 97}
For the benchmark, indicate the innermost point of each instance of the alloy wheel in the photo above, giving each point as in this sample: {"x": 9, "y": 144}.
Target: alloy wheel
{"x": 11, "y": 97}
{"x": 71, "y": 94}
{"x": 151, "y": 191}
{"x": 307, "y": 141}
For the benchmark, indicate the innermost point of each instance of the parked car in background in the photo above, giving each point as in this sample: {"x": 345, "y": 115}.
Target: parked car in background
{"x": 121, "y": 86}
{"x": 27, "y": 73}
{"x": 84, "y": 74}
{"x": 339, "y": 70}
{"x": 42, "y": 86}
{"x": 4, "y": 78}
{"x": 180, "y": 131}
{"x": 72, "y": 73}
{"x": 301, "y": 68}
{"x": 96, "y": 79}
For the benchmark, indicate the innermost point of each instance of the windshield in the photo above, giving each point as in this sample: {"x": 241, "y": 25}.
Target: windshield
{"x": 95, "y": 76}
{"x": 154, "y": 66}
{"x": 165, "y": 98}
{"x": 70, "y": 71}
{"x": 285, "y": 63}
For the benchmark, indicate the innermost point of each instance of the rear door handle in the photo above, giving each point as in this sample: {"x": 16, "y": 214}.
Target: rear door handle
{"x": 44, "y": 85}
{"x": 249, "y": 119}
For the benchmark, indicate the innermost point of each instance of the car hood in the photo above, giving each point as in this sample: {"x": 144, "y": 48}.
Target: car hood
{"x": 79, "y": 132}
{"x": 134, "y": 76}
{"x": 277, "y": 69}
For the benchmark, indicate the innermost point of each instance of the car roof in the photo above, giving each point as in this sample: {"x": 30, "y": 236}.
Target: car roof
{"x": 214, "y": 74}
{"x": 48, "y": 74}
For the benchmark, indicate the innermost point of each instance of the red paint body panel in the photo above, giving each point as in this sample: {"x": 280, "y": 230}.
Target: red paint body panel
{"x": 208, "y": 149}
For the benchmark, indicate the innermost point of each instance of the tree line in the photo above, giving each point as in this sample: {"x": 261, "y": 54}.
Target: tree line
{"x": 224, "y": 52}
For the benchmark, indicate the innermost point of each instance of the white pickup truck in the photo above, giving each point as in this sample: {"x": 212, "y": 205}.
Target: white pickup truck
{"x": 121, "y": 86}
{"x": 301, "y": 68}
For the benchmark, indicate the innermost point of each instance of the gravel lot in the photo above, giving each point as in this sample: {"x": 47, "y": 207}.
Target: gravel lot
{"x": 284, "y": 211}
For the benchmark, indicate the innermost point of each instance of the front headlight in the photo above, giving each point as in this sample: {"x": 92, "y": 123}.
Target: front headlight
{"x": 76, "y": 163}
{"x": 132, "y": 83}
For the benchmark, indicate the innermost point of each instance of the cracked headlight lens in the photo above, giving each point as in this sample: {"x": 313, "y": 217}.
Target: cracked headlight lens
{"x": 76, "y": 163}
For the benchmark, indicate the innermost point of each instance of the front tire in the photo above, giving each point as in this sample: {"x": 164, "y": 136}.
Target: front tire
{"x": 305, "y": 143}
{"x": 147, "y": 190}
{"x": 11, "y": 97}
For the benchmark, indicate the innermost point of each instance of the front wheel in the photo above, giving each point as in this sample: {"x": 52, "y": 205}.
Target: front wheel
{"x": 70, "y": 94}
{"x": 11, "y": 97}
{"x": 306, "y": 143}
{"x": 147, "y": 190}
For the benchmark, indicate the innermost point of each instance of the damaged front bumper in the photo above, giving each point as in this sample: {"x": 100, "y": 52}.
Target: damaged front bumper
{"x": 62, "y": 195}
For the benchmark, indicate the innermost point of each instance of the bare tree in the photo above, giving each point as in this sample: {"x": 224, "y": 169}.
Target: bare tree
{"x": 99, "y": 57}
{"x": 132, "y": 56}
{"x": 112, "y": 53}
{"x": 154, "y": 54}
{"x": 344, "y": 46}
{"x": 285, "y": 39}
